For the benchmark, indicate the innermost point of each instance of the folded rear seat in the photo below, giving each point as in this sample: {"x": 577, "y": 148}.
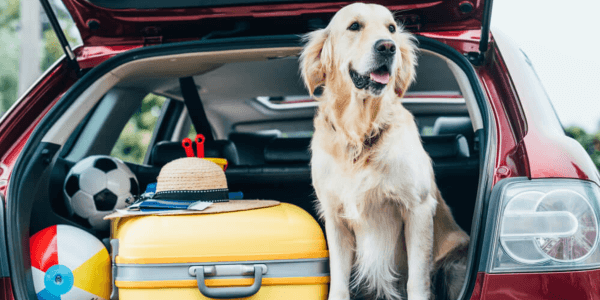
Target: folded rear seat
{"x": 167, "y": 151}
{"x": 285, "y": 160}
{"x": 288, "y": 150}
{"x": 296, "y": 150}
{"x": 251, "y": 146}
{"x": 283, "y": 173}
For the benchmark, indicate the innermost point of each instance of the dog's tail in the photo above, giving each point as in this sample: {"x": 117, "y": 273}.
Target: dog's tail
{"x": 449, "y": 274}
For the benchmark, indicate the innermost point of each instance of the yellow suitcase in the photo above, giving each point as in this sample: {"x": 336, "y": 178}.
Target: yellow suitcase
{"x": 277, "y": 252}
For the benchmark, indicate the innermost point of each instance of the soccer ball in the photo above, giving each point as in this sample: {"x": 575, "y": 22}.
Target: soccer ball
{"x": 97, "y": 185}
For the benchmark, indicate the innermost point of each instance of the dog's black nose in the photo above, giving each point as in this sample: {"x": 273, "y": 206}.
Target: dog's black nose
{"x": 385, "y": 47}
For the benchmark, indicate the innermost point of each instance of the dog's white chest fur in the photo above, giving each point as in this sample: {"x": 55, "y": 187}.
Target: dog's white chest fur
{"x": 397, "y": 172}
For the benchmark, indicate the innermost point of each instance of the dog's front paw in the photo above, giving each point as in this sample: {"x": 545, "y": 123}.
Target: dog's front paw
{"x": 339, "y": 295}
{"x": 418, "y": 296}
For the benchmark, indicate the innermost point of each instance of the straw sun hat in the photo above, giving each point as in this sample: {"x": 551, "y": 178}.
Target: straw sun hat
{"x": 197, "y": 180}
{"x": 192, "y": 178}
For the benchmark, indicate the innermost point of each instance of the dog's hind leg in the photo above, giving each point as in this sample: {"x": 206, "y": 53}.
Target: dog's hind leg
{"x": 418, "y": 231}
{"x": 451, "y": 271}
{"x": 377, "y": 234}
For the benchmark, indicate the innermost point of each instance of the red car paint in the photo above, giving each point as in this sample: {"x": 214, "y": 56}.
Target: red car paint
{"x": 6, "y": 289}
{"x": 19, "y": 122}
{"x": 91, "y": 56}
{"x": 582, "y": 285}
{"x": 130, "y": 26}
{"x": 510, "y": 154}
{"x": 527, "y": 142}
{"x": 464, "y": 41}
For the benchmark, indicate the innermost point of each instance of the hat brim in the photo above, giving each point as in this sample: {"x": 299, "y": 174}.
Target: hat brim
{"x": 218, "y": 207}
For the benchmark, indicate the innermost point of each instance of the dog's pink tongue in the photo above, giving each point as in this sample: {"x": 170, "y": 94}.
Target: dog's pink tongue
{"x": 381, "y": 78}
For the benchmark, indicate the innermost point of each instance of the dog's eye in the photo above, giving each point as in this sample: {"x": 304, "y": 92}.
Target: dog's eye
{"x": 354, "y": 26}
{"x": 392, "y": 28}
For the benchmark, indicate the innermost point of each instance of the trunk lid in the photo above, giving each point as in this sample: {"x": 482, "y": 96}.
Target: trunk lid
{"x": 109, "y": 22}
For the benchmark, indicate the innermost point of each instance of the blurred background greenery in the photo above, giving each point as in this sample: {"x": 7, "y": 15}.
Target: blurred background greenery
{"x": 589, "y": 141}
{"x": 11, "y": 42}
{"x": 137, "y": 134}
{"x": 135, "y": 137}
{"x": 9, "y": 53}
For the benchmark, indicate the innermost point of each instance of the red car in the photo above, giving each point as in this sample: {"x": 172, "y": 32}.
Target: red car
{"x": 527, "y": 194}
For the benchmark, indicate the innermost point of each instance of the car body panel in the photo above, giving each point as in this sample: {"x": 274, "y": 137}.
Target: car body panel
{"x": 91, "y": 56}
{"x": 530, "y": 143}
{"x": 511, "y": 160}
{"x": 100, "y": 26}
{"x": 548, "y": 151}
{"x": 464, "y": 41}
{"x": 18, "y": 123}
{"x": 6, "y": 289}
{"x": 510, "y": 125}
{"x": 524, "y": 286}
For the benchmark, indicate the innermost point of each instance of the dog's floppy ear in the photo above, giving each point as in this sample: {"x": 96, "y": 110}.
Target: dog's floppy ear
{"x": 315, "y": 60}
{"x": 407, "y": 64}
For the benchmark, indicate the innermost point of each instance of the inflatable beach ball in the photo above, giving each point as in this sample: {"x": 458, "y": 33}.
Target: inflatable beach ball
{"x": 68, "y": 263}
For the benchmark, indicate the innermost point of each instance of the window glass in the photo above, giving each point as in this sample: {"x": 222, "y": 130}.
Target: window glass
{"x": 135, "y": 138}
{"x": 192, "y": 133}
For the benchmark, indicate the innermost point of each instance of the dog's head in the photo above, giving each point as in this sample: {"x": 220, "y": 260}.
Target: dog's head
{"x": 363, "y": 48}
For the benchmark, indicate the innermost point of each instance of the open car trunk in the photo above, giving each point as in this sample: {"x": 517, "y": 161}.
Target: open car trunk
{"x": 261, "y": 119}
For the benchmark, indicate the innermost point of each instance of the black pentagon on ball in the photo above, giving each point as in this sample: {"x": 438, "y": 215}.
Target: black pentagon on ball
{"x": 105, "y": 164}
{"x": 105, "y": 200}
{"x": 72, "y": 185}
{"x": 133, "y": 187}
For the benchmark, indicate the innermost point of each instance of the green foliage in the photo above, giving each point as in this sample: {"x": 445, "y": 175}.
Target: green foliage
{"x": 192, "y": 133}
{"x": 9, "y": 69}
{"x": 137, "y": 134}
{"x": 590, "y": 142}
{"x": 9, "y": 53}
{"x": 10, "y": 49}
{"x": 52, "y": 48}
{"x": 10, "y": 13}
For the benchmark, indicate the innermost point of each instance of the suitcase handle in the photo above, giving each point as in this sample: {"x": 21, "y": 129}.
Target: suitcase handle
{"x": 231, "y": 292}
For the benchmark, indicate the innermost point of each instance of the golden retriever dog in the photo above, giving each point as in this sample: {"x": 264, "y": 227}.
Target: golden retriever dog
{"x": 385, "y": 219}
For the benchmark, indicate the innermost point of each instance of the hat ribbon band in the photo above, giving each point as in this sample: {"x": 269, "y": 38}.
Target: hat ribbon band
{"x": 214, "y": 194}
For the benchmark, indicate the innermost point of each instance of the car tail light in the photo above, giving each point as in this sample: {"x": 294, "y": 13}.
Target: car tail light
{"x": 546, "y": 225}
